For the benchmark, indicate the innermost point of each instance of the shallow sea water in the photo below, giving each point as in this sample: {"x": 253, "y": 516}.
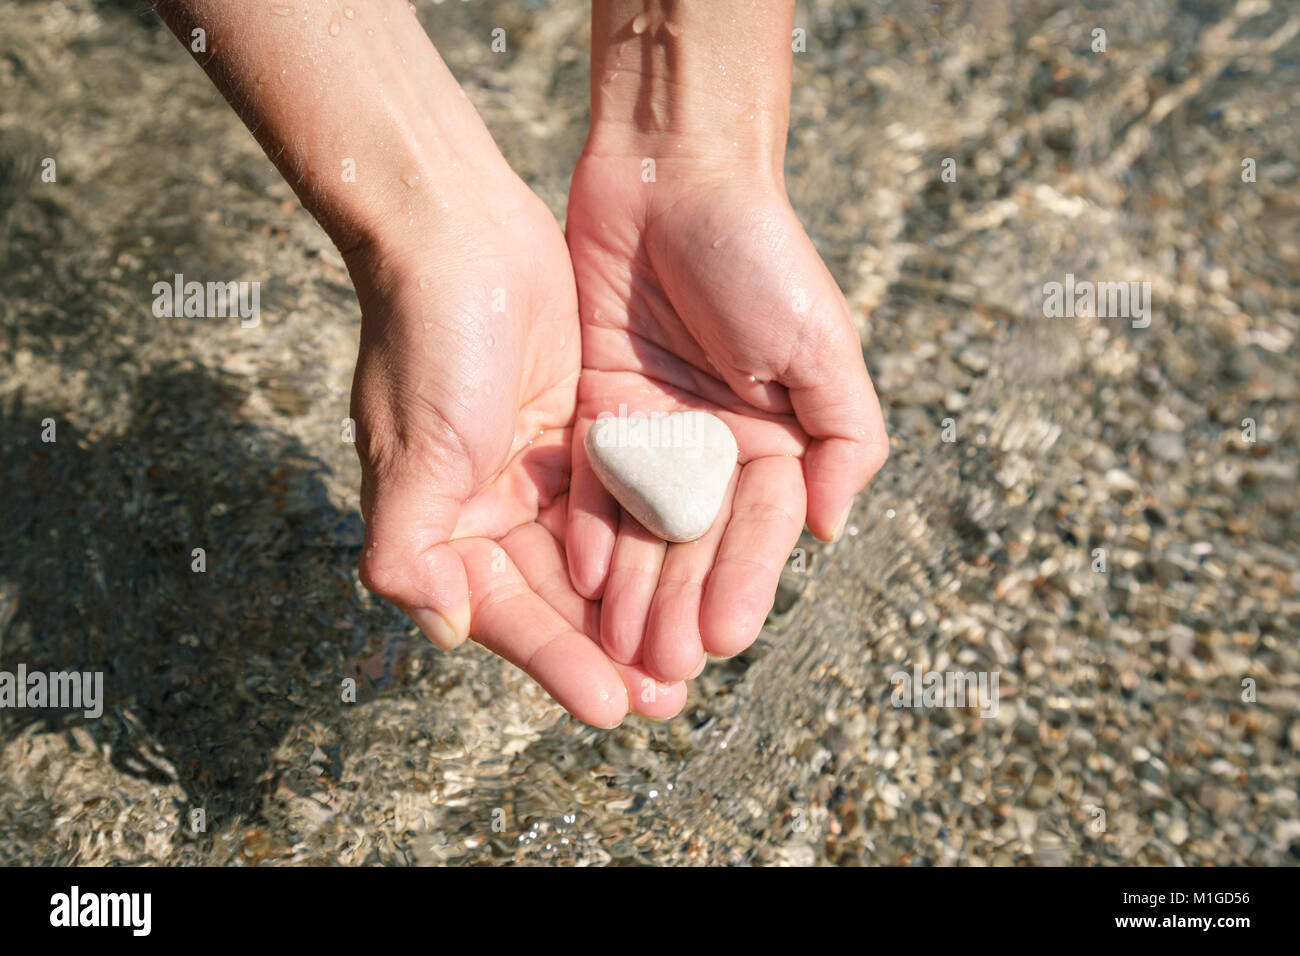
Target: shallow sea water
{"x": 1120, "y": 691}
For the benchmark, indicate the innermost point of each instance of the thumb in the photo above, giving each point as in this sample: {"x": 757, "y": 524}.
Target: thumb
{"x": 410, "y": 514}
{"x": 837, "y": 406}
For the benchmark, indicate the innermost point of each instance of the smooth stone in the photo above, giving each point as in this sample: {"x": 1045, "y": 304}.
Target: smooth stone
{"x": 669, "y": 471}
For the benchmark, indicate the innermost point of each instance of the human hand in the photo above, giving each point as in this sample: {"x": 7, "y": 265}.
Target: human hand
{"x": 700, "y": 289}
{"x": 464, "y": 398}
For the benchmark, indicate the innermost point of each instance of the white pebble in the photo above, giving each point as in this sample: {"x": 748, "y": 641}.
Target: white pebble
{"x": 669, "y": 471}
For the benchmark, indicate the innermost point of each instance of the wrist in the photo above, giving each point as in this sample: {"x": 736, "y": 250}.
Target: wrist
{"x": 713, "y": 148}
{"x": 417, "y": 239}
{"x": 355, "y": 108}
{"x": 411, "y": 168}
{"x": 414, "y": 189}
{"x": 696, "y": 88}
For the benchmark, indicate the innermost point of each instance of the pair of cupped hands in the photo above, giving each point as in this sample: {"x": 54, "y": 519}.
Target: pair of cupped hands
{"x": 489, "y": 351}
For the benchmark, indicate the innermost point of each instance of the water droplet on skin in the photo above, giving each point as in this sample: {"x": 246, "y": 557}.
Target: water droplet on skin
{"x": 335, "y": 27}
{"x": 491, "y": 340}
{"x": 425, "y": 282}
{"x": 349, "y": 12}
{"x": 717, "y": 242}
{"x": 411, "y": 179}
{"x": 673, "y": 29}
{"x": 280, "y": 10}
{"x": 639, "y": 23}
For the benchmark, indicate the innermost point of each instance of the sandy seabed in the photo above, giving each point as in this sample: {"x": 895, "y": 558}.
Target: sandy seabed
{"x": 1146, "y": 713}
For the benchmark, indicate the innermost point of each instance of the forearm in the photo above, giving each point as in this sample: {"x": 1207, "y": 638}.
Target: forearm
{"x": 352, "y": 104}
{"x": 702, "y": 81}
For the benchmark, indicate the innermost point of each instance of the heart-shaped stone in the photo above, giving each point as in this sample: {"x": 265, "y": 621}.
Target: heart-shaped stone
{"x": 669, "y": 471}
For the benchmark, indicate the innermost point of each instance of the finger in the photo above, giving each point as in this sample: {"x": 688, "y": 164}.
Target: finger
{"x": 766, "y": 518}
{"x": 555, "y": 518}
{"x": 593, "y": 522}
{"x": 513, "y": 621}
{"x": 653, "y": 698}
{"x": 633, "y": 577}
{"x": 672, "y": 646}
{"x": 838, "y": 408}
{"x": 405, "y": 557}
{"x": 540, "y": 560}
{"x": 536, "y": 475}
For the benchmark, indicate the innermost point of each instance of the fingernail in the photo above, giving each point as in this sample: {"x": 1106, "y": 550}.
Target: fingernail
{"x": 844, "y": 520}
{"x": 438, "y": 629}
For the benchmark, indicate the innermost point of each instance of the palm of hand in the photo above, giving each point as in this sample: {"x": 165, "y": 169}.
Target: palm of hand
{"x": 714, "y": 299}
